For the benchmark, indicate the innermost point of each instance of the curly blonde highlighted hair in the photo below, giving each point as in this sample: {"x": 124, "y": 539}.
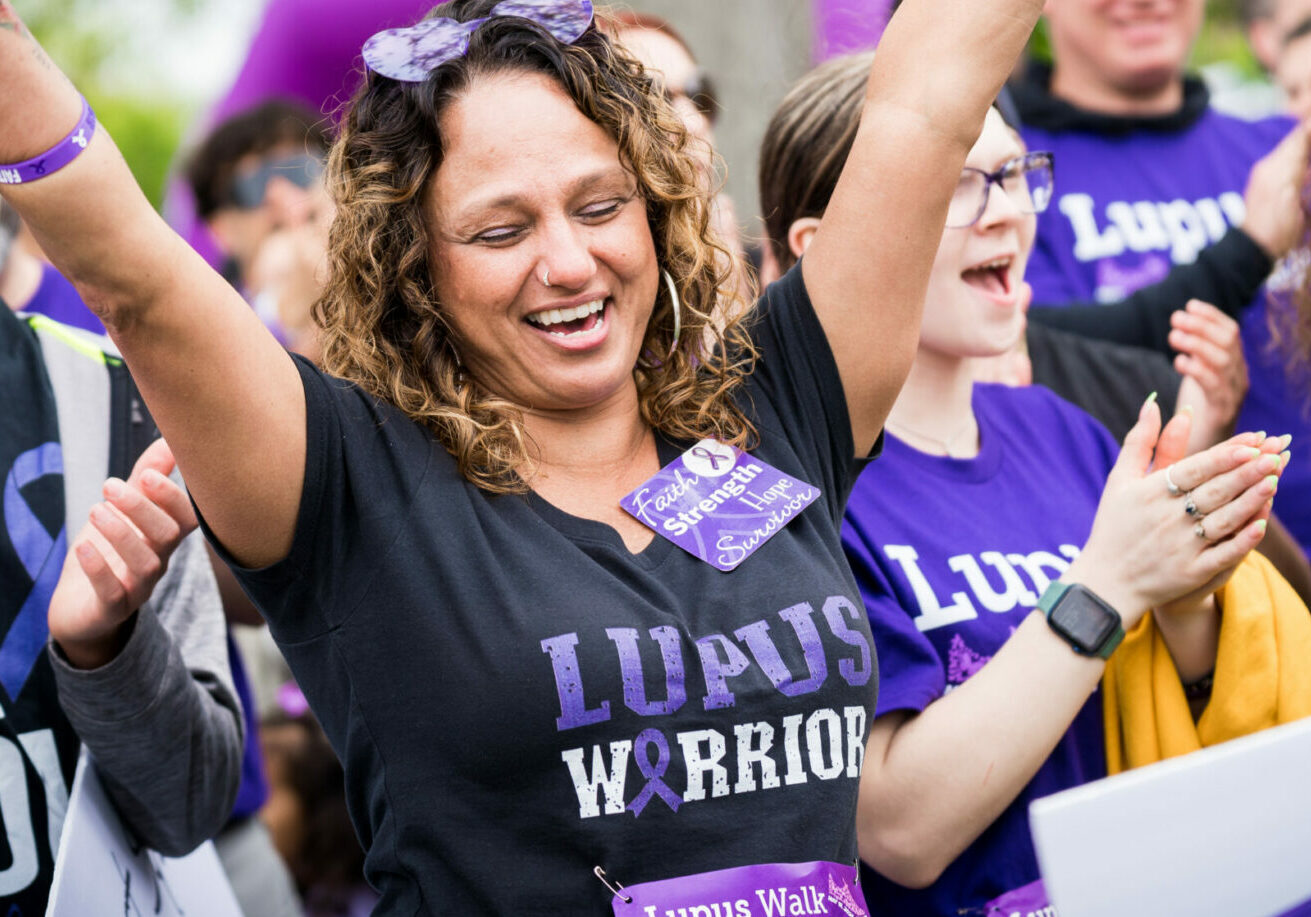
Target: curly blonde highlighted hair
{"x": 383, "y": 328}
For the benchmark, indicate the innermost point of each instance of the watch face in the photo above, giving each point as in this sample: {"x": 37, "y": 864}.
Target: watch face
{"x": 1084, "y": 622}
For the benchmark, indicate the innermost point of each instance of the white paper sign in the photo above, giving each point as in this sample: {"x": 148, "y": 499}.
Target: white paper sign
{"x": 1225, "y": 830}
{"x": 100, "y": 869}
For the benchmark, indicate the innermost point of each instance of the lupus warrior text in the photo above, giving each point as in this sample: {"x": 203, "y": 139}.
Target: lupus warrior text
{"x": 737, "y": 756}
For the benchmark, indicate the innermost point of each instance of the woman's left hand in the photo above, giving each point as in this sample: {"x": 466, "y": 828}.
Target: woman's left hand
{"x": 115, "y": 561}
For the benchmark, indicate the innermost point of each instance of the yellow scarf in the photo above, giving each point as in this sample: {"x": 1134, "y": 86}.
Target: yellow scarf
{"x": 1262, "y": 675}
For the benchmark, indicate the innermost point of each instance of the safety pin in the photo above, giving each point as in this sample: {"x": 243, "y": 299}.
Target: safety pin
{"x": 615, "y": 888}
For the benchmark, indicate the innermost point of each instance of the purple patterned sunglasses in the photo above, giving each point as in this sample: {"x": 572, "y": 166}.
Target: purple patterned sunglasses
{"x": 409, "y": 55}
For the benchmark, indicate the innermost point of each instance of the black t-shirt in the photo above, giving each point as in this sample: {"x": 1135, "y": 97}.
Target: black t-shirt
{"x": 38, "y": 748}
{"x": 518, "y": 699}
{"x": 1109, "y": 381}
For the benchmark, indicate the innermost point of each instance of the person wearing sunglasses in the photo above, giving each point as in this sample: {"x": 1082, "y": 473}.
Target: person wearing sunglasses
{"x": 257, "y": 179}
{"x": 973, "y": 517}
{"x": 552, "y": 551}
{"x": 689, "y": 89}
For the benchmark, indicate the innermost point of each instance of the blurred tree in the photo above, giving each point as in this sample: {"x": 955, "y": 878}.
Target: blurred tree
{"x": 88, "y": 39}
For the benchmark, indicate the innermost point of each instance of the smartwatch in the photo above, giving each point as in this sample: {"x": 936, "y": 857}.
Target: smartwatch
{"x": 1082, "y": 619}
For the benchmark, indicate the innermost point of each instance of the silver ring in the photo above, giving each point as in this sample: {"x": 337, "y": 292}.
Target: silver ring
{"x": 1170, "y": 485}
{"x": 1190, "y": 507}
{"x": 546, "y": 277}
{"x": 1200, "y": 530}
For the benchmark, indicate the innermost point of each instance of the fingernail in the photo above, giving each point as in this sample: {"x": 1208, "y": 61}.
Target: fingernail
{"x": 1269, "y": 463}
{"x": 1260, "y": 526}
{"x": 113, "y": 488}
{"x": 1151, "y": 399}
{"x": 1246, "y": 453}
{"x": 1285, "y": 441}
{"x": 84, "y": 551}
{"x": 1260, "y": 436}
{"x": 1271, "y": 484}
{"x": 1187, "y": 409}
{"x": 1283, "y": 459}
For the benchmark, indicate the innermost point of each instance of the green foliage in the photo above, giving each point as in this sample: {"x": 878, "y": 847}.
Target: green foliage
{"x": 147, "y": 131}
{"x": 87, "y": 39}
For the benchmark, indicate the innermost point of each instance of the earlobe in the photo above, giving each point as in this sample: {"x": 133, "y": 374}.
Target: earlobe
{"x": 800, "y": 233}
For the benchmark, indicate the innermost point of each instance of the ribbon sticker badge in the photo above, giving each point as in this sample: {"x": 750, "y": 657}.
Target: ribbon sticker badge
{"x": 718, "y": 503}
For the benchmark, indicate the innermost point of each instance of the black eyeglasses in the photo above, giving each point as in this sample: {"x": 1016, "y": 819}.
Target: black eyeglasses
{"x": 249, "y": 189}
{"x": 1027, "y": 181}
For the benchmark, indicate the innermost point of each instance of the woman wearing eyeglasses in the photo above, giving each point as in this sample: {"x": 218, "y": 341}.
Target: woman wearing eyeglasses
{"x": 536, "y": 697}
{"x": 989, "y": 502}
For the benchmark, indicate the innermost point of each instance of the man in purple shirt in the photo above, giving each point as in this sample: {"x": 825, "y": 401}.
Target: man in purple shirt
{"x": 1149, "y": 174}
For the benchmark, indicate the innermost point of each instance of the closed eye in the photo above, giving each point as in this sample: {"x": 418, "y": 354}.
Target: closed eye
{"x": 501, "y": 235}
{"x": 602, "y": 210}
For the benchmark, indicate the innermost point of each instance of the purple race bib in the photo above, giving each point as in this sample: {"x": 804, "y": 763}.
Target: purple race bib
{"x": 718, "y": 503}
{"x": 1026, "y": 901}
{"x": 774, "y": 890}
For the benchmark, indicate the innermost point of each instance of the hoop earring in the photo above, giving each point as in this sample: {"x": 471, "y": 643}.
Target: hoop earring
{"x": 678, "y": 309}
{"x": 459, "y": 365}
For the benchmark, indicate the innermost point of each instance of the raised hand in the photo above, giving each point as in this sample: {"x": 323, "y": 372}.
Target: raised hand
{"x": 1275, "y": 220}
{"x": 117, "y": 558}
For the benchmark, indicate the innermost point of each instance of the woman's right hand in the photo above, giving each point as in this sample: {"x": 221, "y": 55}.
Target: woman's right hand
{"x": 1144, "y": 550}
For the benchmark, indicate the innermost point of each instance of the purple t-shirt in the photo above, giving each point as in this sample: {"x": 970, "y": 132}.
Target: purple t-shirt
{"x": 951, "y": 555}
{"x": 1130, "y": 205}
{"x": 56, "y": 298}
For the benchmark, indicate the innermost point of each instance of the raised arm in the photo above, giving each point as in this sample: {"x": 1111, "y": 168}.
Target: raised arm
{"x": 219, "y": 385}
{"x": 939, "y": 66}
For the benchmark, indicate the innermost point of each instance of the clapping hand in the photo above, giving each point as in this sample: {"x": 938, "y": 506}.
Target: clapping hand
{"x": 117, "y": 558}
{"x": 1146, "y": 549}
{"x": 1210, "y": 359}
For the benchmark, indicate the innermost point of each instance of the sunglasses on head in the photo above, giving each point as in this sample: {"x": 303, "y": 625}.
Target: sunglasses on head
{"x": 250, "y": 188}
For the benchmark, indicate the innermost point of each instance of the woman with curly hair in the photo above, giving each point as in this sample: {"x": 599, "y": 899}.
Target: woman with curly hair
{"x": 543, "y": 707}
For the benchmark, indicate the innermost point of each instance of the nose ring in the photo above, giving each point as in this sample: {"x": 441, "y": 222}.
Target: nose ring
{"x": 546, "y": 277}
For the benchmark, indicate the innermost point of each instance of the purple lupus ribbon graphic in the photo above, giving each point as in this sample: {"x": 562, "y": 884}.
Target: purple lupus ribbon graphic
{"x": 718, "y": 503}
{"x": 41, "y": 556}
{"x": 654, "y": 773}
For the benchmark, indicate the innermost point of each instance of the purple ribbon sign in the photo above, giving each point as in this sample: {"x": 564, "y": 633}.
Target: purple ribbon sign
{"x": 772, "y": 890}
{"x": 718, "y": 503}
{"x": 43, "y": 559}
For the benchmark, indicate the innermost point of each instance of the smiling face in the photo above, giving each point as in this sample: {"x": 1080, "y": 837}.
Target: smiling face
{"x": 531, "y": 190}
{"x": 1128, "y": 47}
{"x": 974, "y": 305}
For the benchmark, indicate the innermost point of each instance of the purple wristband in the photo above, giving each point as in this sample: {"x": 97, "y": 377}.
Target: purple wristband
{"x": 55, "y": 158}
